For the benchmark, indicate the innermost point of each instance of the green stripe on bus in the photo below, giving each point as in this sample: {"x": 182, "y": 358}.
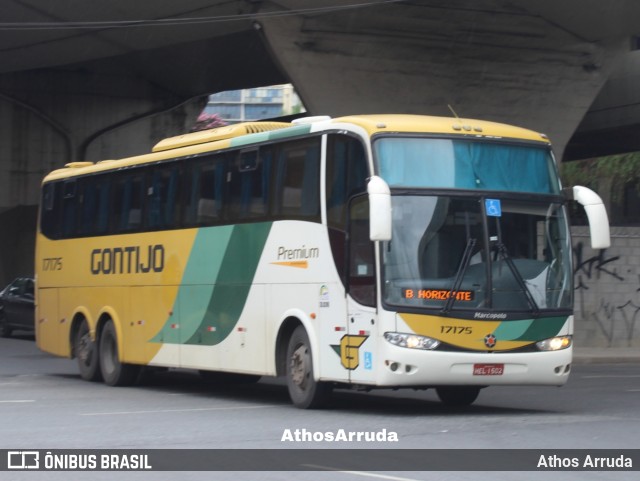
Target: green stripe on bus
{"x": 196, "y": 287}
{"x": 215, "y": 285}
{"x": 512, "y": 330}
{"x": 250, "y": 139}
{"x": 290, "y": 132}
{"x": 233, "y": 283}
{"x": 530, "y": 329}
{"x": 543, "y": 329}
{"x": 270, "y": 135}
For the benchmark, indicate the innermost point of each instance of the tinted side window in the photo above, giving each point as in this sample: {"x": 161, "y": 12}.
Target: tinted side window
{"x": 69, "y": 208}
{"x": 50, "y": 210}
{"x": 94, "y": 202}
{"x": 205, "y": 189}
{"x": 297, "y": 180}
{"x": 269, "y": 182}
{"x": 249, "y": 184}
{"x": 162, "y": 197}
{"x": 362, "y": 281}
{"x": 127, "y": 201}
{"x": 347, "y": 174}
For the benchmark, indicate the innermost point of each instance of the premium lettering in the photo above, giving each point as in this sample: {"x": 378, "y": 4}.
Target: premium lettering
{"x": 303, "y": 252}
{"x": 489, "y": 315}
{"x": 128, "y": 260}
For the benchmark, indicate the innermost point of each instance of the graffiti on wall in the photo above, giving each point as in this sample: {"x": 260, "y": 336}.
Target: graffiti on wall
{"x": 616, "y": 320}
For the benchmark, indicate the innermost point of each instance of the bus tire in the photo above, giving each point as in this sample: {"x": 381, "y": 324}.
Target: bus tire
{"x": 458, "y": 396}
{"x": 114, "y": 373}
{"x": 305, "y": 392}
{"x": 86, "y": 352}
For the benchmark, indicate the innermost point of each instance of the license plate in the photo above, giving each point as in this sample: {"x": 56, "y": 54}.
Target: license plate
{"x": 488, "y": 369}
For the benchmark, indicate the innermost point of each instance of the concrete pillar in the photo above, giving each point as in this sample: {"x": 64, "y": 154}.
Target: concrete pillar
{"x": 53, "y": 117}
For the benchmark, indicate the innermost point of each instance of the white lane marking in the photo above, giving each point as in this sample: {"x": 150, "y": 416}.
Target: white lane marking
{"x": 227, "y": 408}
{"x": 611, "y": 376}
{"x": 19, "y": 401}
{"x": 360, "y": 473}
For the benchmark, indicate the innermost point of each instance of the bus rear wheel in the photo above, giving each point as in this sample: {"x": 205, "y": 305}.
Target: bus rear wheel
{"x": 458, "y": 396}
{"x": 305, "y": 392}
{"x": 114, "y": 372}
{"x": 86, "y": 352}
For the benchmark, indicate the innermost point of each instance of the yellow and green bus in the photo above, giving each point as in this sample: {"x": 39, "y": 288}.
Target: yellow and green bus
{"x": 373, "y": 251}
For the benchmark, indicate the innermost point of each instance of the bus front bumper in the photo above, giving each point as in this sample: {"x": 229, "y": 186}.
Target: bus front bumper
{"x": 408, "y": 367}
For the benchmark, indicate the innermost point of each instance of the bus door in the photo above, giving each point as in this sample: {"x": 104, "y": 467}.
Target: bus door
{"x": 358, "y": 347}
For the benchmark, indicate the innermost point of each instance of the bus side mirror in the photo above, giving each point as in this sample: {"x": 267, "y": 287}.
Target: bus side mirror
{"x": 596, "y": 214}
{"x": 379, "y": 209}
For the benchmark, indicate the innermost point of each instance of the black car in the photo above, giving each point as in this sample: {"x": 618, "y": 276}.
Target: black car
{"x": 17, "y": 307}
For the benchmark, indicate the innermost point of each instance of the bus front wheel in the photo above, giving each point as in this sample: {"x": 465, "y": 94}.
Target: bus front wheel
{"x": 305, "y": 392}
{"x": 86, "y": 352}
{"x": 458, "y": 396}
{"x": 114, "y": 372}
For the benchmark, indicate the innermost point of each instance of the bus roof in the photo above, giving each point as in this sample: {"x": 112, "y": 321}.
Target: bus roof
{"x": 249, "y": 133}
{"x": 397, "y": 123}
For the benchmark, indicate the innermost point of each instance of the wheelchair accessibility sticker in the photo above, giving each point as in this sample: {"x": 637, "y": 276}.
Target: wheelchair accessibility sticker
{"x": 493, "y": 207}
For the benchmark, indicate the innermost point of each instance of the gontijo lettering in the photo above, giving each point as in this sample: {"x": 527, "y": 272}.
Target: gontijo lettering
{"x": 127, "y": 260}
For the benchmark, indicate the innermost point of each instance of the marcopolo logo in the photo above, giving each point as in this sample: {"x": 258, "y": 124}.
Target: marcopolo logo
{"x": 490, "y": 341}
{"x": 23, "y": 460}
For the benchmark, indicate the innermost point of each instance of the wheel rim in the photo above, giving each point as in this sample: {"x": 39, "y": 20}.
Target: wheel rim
{"x": 300, "y": 366}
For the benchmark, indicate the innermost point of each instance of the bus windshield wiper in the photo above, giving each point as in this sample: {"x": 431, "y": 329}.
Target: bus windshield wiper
{"x": 502, "y": 250}
{"x": 464, "y": 263}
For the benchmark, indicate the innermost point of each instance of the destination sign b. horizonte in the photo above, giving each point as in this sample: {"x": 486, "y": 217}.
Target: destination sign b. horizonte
{"x": 320, "y": 460}
{"x": 437, "y": 294}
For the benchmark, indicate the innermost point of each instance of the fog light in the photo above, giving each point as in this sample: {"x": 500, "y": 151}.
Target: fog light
{"x": 554, "y": 343}
{"x": 411, "y": 341}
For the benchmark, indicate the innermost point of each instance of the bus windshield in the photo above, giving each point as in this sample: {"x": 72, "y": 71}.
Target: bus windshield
{"x": 465, "y": 164}
{"x": 453, "y": 252}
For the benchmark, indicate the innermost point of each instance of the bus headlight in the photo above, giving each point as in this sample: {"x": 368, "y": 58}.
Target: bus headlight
{"x": 554, "y": 343}
{"x": 412, "y": 341}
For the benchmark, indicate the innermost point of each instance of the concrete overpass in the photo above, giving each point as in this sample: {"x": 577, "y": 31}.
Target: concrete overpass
{"x": 93, "y": 80}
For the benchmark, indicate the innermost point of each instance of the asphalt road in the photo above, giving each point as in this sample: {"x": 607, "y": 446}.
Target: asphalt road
{"x": 45, "y": 405}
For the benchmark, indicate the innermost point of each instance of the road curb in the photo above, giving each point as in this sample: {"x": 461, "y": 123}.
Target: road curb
{"x": 606, "y": 356}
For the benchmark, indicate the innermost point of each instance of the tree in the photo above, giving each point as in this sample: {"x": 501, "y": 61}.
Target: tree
{"x": 208, "y": 121}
